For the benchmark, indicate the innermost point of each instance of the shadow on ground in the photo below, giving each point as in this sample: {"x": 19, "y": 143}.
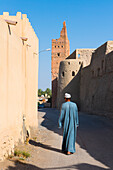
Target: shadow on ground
{"x": 44, "y": 146}
{"x": 25, "y": 166}
{"x": 79, "y": 167}
{"x": 51, "y": 120}
{"x": 95, "y": 135}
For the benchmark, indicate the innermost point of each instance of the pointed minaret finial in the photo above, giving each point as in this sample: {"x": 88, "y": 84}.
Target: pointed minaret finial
{"x": 63, "y": 32}
{"x": 64, "y": 24}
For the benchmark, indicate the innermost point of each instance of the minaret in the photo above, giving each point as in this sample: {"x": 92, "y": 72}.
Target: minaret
{"x": 60, "y": 51}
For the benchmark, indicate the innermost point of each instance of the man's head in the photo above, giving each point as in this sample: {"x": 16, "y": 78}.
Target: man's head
{"x": 67, "y": 97}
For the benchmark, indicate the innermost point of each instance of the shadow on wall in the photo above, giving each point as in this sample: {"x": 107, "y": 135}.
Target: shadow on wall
{"x": 74, "y": 89}
{"x": 54, "y": 92}
{"x": 97, "y": 85}
{"x": 94, "y": 135}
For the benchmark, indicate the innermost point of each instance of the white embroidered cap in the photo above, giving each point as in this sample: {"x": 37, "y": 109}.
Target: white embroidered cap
{"x": 67, "y": 96}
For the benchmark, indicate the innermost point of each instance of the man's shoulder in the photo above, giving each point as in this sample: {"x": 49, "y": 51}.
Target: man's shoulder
{"x": 69, "y": 103}
{"x": 73, "y": 104}
{"x": 64, "y": 104}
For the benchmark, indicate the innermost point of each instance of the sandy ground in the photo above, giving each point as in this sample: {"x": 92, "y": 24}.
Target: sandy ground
{"x": 94, "y": 145}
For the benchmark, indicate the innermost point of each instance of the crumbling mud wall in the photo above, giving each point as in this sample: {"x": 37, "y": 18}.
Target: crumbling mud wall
{"x": 92, "y": 90}
{"x": 69, "y": 80}
{"x": 71, "y": 67}
{"x": 96, "y": 86}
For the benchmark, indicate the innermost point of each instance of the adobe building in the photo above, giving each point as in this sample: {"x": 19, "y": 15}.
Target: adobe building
{"x": 69, "y": 74}
{"x": 96, "y": 85}
{"x": 18, "y": 81}
{"x": 60, "y": 50}
{"x": 88, "y": 75}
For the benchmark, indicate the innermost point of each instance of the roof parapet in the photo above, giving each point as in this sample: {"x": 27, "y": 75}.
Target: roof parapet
{"x": 6, "y": 13}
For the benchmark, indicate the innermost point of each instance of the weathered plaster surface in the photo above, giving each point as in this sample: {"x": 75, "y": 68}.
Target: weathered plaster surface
{"x": 92, "y": 88}
{"x": 18, "y": 81}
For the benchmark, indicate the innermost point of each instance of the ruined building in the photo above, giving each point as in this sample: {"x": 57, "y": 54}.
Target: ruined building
{"x": 60, "y": 50}
{"x": 88, "y": 75}
{"x": 69, "y": 74}
{"x": 18, "y": 81}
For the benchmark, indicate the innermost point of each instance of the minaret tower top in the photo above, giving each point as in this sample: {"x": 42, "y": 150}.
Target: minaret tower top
{"x": 60, "y": 51}
{"x": 63, "y": 32}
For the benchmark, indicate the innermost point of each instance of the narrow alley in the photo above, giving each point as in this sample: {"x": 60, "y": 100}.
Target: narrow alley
{"x": 94, "y": 145}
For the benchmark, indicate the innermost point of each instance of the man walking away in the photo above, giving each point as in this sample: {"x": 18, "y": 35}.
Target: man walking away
{"x": 68, "y": 120}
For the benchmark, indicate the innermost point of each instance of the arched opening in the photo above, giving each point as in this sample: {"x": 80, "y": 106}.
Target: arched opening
{"x": 73, "y": 73}
{"x": 63, "y": 74}
{"x": 58, "y": 54}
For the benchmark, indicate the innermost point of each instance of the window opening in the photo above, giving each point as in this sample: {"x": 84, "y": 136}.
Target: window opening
{"x": 58, "y": 54}
{"x": 98, "y": 72}
{"x": 102, "y": 64}
{"x": 78, "y": 55}
{"x": 73, "y": 73}
{"x": 92, "y": 73}
{"x": 63, "y": 74}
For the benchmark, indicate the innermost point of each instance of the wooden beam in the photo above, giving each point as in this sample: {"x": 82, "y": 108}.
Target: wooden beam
{"x": 11, "y": 22}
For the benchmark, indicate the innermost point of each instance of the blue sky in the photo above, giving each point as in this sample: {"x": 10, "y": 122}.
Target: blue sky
{"x": 89, "y": 24}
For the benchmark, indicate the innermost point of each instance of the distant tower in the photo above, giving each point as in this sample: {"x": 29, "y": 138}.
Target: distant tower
{"x": 60, "y": 51}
